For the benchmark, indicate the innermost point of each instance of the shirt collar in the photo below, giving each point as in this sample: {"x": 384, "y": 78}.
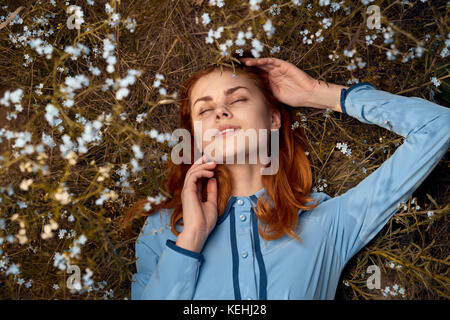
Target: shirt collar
{"x": 233, "y": 199}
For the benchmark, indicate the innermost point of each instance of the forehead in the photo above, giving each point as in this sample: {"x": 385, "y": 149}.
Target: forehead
{"x": 216, "y": 83}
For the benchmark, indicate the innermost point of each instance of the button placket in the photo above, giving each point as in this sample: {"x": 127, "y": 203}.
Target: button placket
{"x": 242, "y": 217}
{"x": 247, "y": 277}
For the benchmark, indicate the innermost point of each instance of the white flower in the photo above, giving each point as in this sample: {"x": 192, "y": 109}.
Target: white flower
{"x": 25, "y": 184}
{"x": 435, "y": 81}
{"x": 240, "y": 41}
{"x": 13, "y": 269}
{"x": 205, "y": 19}
{"x": 121, "y": 93}
{"x": 257, "y": 48}
{"x": 52, "y": 115}
{"x": 82, "y": 239}
{"x": 28, "y": 284}
{"x": 153, "y": 133}
{"x": 16, "y": 96}
{"x": 218, "y": 33}
{"x": 326, "y": 22}
{"x": 218, "y": 3}
{"x": 349, "y": 53}
{"x": 108, "y": 8}
{"x": 130, "y": 24}
{"x": 48, "y": 228}
{"x": 140, "y": 117}
{"x": 137, "y": 152}
{"x": 62, "y": 196}
{"x": 269, "y": 28}
{"x": 135, "y": 166}
{"x": 254, "y": 4}
{"x": 61, "y": 233}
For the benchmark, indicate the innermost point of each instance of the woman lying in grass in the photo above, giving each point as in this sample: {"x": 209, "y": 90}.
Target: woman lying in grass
{"x": 235, "y": 233}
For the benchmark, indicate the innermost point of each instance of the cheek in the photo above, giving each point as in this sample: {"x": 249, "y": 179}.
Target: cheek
{"x": 257, "y": 117}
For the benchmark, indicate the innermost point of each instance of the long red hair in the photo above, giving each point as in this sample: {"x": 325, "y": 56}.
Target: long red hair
{"x": 289, "y": 188}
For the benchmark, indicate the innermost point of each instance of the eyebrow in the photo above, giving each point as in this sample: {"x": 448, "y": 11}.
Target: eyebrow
{"x": 228, "y": 92}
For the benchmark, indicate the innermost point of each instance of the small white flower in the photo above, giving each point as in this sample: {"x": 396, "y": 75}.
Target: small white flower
{"x": 137, "y": 152}
{"x": 25, "y": 184}
{"x": 205, "y": 19}
{"x": 269, "y": 28}
{"x": 122, "y": 93}
{"x": 435, "y": 81}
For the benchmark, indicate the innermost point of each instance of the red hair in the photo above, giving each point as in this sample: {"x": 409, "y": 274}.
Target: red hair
{"x": 289, "y": 188}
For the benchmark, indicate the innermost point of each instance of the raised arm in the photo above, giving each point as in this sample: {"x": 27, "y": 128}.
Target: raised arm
{"x": 361, "y": 212}
{"x": 170, "y": 274}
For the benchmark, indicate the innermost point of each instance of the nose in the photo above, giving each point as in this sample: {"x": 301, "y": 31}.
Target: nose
{"x": 222, "y": 112}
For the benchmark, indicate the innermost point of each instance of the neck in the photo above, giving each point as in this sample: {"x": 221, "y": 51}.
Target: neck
{"x": 246, "y": 179}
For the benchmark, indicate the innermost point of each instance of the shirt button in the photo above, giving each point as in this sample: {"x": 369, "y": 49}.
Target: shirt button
{"x": 240, "y": 202}
{"x": 244, "y": 254}
{"x": 242, "y": 217}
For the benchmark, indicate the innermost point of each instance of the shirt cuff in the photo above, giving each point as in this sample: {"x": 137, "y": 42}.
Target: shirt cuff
{"x": 345, "y": 92}
{"x": 171, "y": 244}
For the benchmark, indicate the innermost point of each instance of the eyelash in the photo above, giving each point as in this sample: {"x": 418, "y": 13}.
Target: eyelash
{"x": 243, "y": 100}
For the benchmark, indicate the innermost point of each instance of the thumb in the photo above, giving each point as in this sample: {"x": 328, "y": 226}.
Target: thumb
{"x": 211, "y": 189}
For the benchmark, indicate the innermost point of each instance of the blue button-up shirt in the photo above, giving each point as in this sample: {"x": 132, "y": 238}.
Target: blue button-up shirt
{"x": 236, "y": 263}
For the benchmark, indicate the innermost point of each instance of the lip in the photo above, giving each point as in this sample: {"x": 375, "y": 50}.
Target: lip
{"x": 228, "y": 126}
{"x": 228, "y": 133}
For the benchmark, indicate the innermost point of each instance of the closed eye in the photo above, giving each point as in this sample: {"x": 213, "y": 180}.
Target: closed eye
{"x": 204, "y": 111}
{"x": 243, "y": 99}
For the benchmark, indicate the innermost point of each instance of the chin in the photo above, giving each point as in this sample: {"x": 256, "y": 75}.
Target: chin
{"x": 230, "y": 155}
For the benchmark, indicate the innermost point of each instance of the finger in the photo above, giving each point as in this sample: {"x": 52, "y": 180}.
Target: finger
{"x": 262, "y": 61}
{"x": 200, "y": 161}
{"x": 267, "y": 64}
{"x": 199, "y": 189}
{"x": 194, "y": 177}
{"x": 211, "y": 189}
{"x": 204, "y": 166}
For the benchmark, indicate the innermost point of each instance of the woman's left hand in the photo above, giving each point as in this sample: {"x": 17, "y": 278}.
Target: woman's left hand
{"x": 289, "y": 84}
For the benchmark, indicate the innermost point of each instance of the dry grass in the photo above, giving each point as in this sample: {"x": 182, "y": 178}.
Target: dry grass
{"x": 168, "y": 41}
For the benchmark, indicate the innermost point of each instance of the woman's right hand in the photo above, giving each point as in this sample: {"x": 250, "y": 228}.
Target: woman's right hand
{"x": 199, "y": 218}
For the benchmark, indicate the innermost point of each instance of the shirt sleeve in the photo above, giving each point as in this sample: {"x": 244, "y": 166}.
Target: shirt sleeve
{"x": 362, "y": 211}
{"x": 170, "y": 275}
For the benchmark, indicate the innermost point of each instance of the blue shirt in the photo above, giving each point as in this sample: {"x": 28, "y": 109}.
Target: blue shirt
{"x": 236, "y": 263}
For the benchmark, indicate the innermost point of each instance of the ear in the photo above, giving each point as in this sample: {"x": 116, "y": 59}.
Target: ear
{"x": 275, "y": 119}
